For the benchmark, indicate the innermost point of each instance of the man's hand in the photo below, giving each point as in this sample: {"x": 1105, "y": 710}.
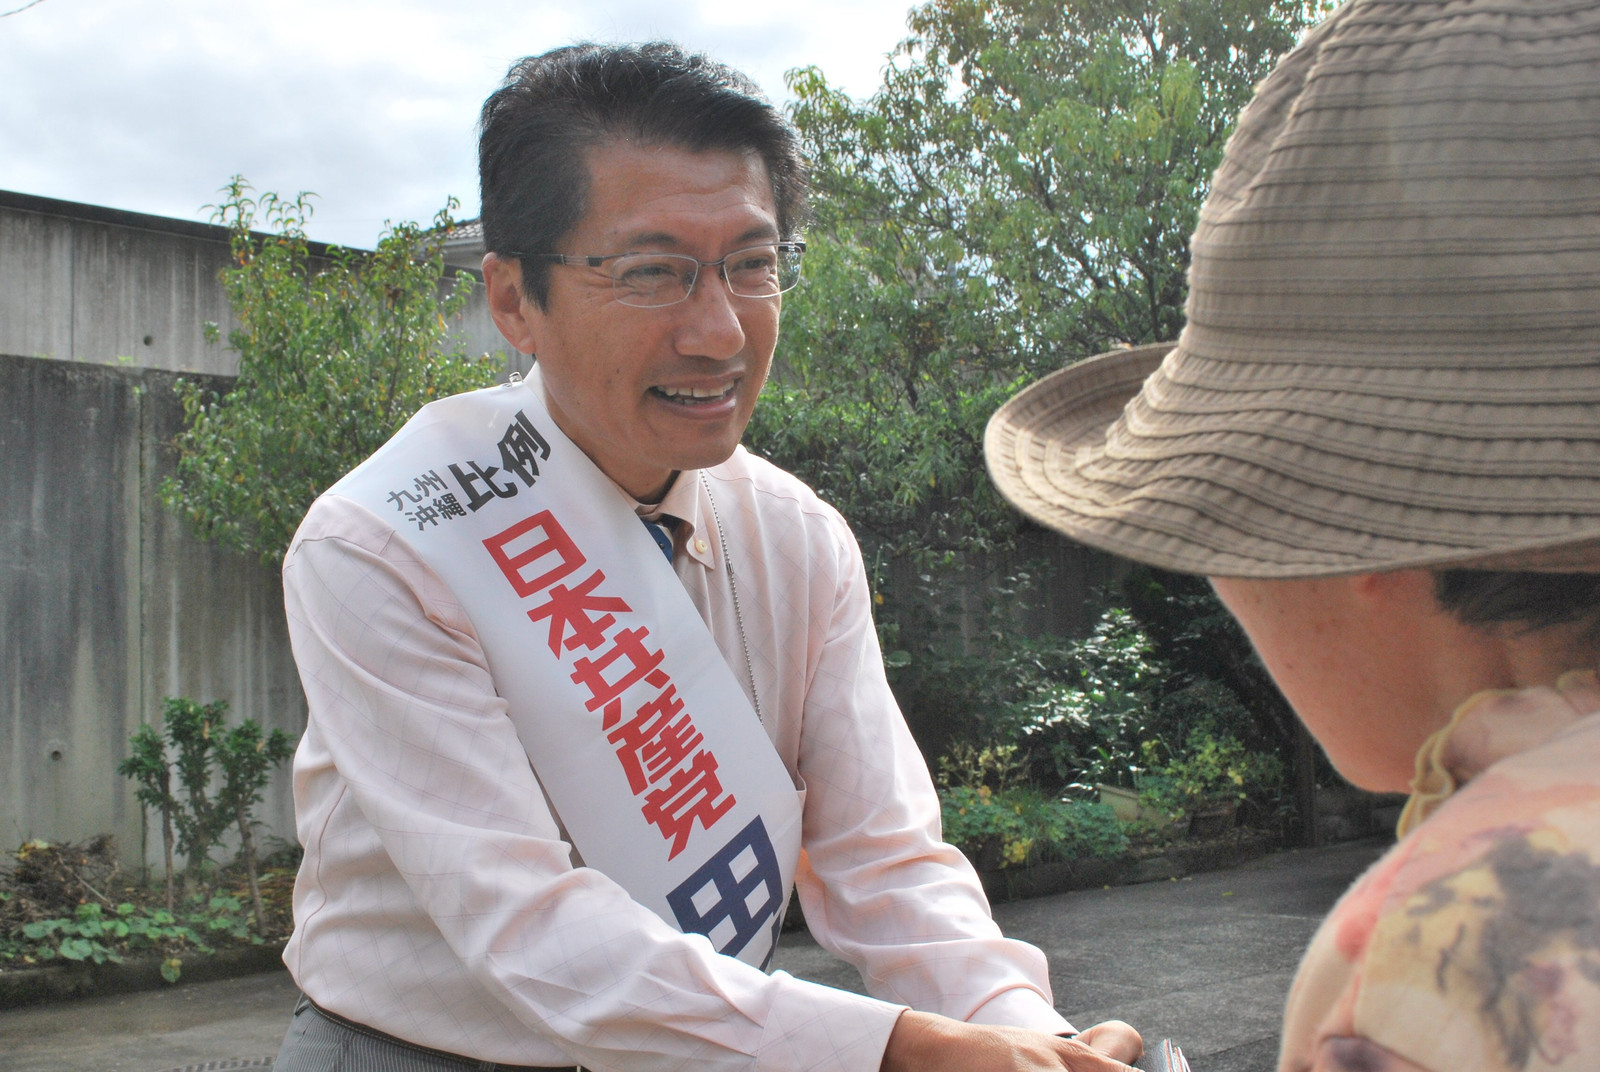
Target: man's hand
{"x": 1114, "y": 1038}
{"x": 923, "y": 1042}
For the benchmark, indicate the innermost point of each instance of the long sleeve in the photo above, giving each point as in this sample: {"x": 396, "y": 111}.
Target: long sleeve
{"x": 439, "y": 902}
{"x": 879, "y": 887}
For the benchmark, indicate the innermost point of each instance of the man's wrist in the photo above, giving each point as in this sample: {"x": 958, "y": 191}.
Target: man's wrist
{"x": 1020, "y": 1006}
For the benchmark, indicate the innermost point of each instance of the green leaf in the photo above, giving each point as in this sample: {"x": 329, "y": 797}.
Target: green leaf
{"x": 75, "y": 948}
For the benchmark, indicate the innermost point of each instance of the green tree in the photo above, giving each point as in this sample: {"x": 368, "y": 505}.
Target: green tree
{"x": 193, "y": 729}
{"x": 1017, "y": 195}
{"x": 336, "y": 351}
{"x": 1045, "y": 159}
{"x": 146, "y": 765}
{"x": 247, "y": 758}
{"x": 202, "y": 748}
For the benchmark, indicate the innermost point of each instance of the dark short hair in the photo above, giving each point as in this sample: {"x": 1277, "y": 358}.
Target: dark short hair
{"x": 551, "y": 108}
{"x": 1533, "y": 601}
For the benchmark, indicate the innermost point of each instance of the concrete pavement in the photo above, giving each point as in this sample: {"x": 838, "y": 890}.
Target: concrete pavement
{"x": 1205, "y": 960}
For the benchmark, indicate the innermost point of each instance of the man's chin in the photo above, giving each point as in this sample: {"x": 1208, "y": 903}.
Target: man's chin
{"x": 701, "y": 452}
{"x": 706, "y": 459}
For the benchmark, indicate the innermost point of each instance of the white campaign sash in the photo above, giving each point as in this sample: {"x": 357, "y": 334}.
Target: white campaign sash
{"x": 649, "y": 750}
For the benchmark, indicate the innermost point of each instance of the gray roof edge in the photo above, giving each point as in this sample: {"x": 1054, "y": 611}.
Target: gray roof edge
{"x": 138, "y": 221}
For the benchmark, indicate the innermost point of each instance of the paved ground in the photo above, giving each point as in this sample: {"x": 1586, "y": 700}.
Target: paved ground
{"x": 1206, "y": 961}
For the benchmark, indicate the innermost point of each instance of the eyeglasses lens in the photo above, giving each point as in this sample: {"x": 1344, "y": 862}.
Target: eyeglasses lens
{"x": 652, "y": 280}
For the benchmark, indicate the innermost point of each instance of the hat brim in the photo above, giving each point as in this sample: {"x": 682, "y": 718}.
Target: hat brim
{"x": 1047, "y": 452}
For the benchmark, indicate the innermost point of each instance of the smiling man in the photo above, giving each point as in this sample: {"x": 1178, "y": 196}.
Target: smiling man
{"x": 671, "y": 387}
{"x": 591, "y": 688}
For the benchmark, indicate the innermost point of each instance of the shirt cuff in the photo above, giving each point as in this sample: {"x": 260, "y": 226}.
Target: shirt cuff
{"x": 1020, "y": 1006}
{"x": 822, "y": 1029}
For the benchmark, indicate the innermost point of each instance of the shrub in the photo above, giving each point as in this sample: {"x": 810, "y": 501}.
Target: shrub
{"x": 335, "y": 353}
{"x": 94, "y": 935}
{"x": 1212, "y": 769}
{"x": 1020, "y": 825}
{"x": 73, "y": 903}
{"x": 1091, "y": 716}
{"x": 202, "y": 750}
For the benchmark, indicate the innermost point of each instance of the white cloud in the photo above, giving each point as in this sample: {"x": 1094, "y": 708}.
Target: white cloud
{"x": 152, "y": 107}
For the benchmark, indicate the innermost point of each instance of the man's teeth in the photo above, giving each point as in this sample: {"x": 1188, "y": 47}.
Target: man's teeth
{"x": 694, "y": 392}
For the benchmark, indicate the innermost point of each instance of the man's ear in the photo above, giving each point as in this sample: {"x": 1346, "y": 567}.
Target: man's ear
{"x": 514, "y": 313}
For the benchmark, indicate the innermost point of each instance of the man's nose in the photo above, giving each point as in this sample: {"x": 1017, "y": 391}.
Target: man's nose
{"x": 710, "y": 325}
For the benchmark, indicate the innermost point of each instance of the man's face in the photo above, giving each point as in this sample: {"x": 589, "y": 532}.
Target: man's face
{"x": 647, "y": 392}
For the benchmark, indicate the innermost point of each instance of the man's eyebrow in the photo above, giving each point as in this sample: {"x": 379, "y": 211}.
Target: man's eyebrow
{"x": 764, "y": 232}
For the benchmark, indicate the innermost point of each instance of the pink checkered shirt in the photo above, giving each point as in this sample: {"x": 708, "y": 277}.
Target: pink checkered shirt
{"x": 439, "y": 903}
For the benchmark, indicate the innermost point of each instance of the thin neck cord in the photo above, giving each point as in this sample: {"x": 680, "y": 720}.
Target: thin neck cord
{"x": 733, "y": 588}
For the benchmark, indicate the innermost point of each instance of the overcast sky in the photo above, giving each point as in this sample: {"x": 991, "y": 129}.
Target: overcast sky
{"x": 151, "y": 105}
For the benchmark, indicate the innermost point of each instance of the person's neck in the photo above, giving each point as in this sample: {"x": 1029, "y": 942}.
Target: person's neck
{"x": 1537, "y": 657}
{"x": 655, "y": 498}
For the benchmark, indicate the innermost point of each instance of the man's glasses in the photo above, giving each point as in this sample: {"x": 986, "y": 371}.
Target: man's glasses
{"x": 654, "y": 280}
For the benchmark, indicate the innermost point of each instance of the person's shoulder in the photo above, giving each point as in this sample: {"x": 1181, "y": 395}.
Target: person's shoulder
{"x": 764, "y": 506}
{"x": 333, "y": 518}
{"x": 1493, "y": 895}
{"x": 774, "y": 488}
{"x": 1520, "y": 829}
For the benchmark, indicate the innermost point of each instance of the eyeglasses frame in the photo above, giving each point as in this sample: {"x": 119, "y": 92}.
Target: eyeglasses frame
{"x": 578, "y": 260}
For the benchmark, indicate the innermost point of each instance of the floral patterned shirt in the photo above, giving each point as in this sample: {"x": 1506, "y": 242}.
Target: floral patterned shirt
{"x": 1474, "y": 944}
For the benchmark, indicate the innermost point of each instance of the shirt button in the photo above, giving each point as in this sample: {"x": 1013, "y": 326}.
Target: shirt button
{"x": 701, "y": 546}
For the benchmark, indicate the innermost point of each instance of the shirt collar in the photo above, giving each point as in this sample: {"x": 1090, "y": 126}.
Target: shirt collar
{"x": 685, "y": 501}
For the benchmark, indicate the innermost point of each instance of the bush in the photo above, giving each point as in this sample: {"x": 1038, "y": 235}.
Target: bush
{"x": 94, "y": 935}
{"x": 1091, "y": 714}
{"x": 1211, "y": 770}
{"x": 1060, "y": 717}
{"x": 334, "y": 356}
{"x": 1194, "y": 636}
{"x": 204, "y": 752}
{"x": 1022, "y": 825}
{"x": 73, "y": 904}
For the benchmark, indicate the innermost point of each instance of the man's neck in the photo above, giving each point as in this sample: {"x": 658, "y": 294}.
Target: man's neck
{"x": 656, "y": 498}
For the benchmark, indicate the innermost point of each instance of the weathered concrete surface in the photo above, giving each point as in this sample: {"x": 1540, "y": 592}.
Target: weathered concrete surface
{"x": 108, "y": 604}
{"x": 1206, "y": 960}
{"x": 104, "y": 286}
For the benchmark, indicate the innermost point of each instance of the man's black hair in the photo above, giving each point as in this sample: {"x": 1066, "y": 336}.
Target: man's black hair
{"x": 537, "y": 127}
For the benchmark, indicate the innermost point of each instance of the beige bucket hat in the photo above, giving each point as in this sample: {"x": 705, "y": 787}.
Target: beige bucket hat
{"x": 1392, "y": 356}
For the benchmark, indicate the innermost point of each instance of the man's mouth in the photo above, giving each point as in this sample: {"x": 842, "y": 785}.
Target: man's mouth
{"x": 695, "y": 395}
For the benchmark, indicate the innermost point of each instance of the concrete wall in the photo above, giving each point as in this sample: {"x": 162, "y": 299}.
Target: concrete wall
{"x": 109, "y": 605}
{"x": 84, "y": 283}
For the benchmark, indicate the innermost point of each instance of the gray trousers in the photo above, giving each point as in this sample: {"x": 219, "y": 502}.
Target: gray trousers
{"x": 319, "y": 1041}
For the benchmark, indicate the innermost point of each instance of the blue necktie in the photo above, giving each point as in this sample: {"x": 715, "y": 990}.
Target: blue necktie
{"x": 663, "y": 537}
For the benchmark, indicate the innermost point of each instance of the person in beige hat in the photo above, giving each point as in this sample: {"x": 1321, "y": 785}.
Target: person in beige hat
{"x": 1379, "y": 436}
